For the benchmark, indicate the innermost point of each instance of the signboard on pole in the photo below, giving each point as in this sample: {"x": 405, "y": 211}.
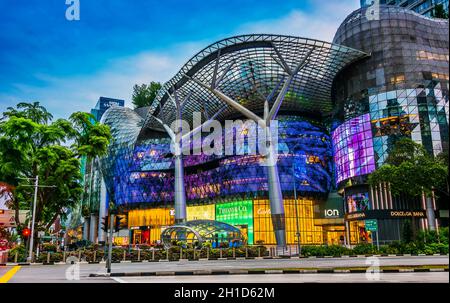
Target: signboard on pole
{"x": 8, "y": 219}
{"x": 371, "y": 225}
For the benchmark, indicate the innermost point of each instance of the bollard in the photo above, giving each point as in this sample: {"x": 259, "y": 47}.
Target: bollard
{"x": 207, "y": 253}
{"x": 181, "y": 253}
{"x": 79, "y": 255}
{"x": 290, "y": 252}
{"x": 194, "y": 253}
{"x": 234, "y": 252}
{"x": 95, "y": 255}
{"x": 124, "y": 255}
{"x": 16, "y": 257}
{"x": 64, "y": 256}
{"x": 48, "y": 257}
{"x": 246, "y": 252}
{"x": 259, "y": 252}
{"x": 153, "y": 254}
{"x": 220, "y": 250}
{"x": 139, "y": 254}
{"x": 167, "y": 254}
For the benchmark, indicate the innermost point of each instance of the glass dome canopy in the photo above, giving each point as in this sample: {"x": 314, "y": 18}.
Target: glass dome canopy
{"x": 198, "y": 232}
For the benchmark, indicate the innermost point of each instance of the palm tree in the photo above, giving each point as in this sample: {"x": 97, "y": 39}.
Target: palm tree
{"x": 35, "y": 112}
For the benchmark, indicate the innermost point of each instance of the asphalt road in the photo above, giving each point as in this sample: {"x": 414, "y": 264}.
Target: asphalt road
{"x": 66, "y": 273}
{"x": 437, "y": 277}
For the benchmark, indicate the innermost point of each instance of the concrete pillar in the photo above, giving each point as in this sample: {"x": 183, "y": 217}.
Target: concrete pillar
{"x": 93, "y": 229}
{"x": 430, "y": 214}
{"x": 102, "y": 210}
{"x": 376, "y": 202}
{"x": 86, "y": 229}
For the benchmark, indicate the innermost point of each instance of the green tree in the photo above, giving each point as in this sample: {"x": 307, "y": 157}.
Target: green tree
{"x": 30, "y": 145}
{"x": 143, "y": 95}
{"x": 439, "y": 12}
{"x": 409, "y": 169}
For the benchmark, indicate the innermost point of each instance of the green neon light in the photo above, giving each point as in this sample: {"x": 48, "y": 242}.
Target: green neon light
{"x": 237, "y": 213}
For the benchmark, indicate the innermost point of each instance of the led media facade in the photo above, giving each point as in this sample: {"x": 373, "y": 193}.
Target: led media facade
{"x": 358, "y": 202}
{"x": 145, "y": 175}
{"x": 353, "y": 148}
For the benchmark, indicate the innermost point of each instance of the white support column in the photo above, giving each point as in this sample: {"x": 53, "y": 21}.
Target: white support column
{"x": 430, "y": 213}
{"x": 102, "y": 210}
{"x": 177, "y": 139}
{"x": 372, "y": 198}
{"x": 86, "y": 229}
{"x": 376, "y": 203}
{"x": 180, "y": 191}
{"x": 391, "y": 203}
{"x": 93, "y": 229}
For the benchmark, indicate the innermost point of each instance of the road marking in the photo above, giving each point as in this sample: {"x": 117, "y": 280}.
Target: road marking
{"x": 6, "y": 277}
{"x": 119, "y": 280}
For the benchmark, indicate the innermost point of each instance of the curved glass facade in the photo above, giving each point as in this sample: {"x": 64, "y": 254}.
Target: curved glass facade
{"x": 400, "y": 91}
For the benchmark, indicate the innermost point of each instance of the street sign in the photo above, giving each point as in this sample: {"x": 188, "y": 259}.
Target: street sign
{"x": 371, "y": 225}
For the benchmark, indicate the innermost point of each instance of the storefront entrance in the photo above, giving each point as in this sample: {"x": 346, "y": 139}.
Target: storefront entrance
{"x": 333, "y": 235}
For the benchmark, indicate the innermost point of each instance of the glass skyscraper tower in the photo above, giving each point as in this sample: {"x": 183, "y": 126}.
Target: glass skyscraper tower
{"x": 423, "y": 7}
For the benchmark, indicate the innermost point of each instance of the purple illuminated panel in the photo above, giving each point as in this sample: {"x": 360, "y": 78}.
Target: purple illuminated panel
{"x": 353, "y": 148}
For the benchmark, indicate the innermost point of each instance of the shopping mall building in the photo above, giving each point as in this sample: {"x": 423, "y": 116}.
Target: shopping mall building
{"x": 340, "y": 107}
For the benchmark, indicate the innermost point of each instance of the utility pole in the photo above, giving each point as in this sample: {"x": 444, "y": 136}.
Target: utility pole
{"x": 36, "y": 185}
{"x": 111, "y": 227}
{"x": 299, "y": 248}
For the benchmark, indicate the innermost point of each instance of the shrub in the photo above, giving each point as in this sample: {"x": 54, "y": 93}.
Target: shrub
{"x": 48, "y": 247}
{"x": 436, "y": 248}
{"x": 88, "y": 255}
{"x": 364, "y": 249}
{"x": 21, "y": 254}
{"x": 54, "y": 257}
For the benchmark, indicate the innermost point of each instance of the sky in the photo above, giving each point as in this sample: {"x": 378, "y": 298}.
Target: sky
{"x": 68, "y": 65}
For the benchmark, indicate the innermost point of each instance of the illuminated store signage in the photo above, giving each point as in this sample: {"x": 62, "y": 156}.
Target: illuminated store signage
{"x": 331, "y": 213}
{"x": 239, "y": 214}
{"x": 386, "y": 214}
{"x": 332, "y": 208}
{"x": 202, "y": 212}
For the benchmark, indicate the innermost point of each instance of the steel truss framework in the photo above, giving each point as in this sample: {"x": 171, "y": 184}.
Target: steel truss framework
{"x": 250, "y": 68}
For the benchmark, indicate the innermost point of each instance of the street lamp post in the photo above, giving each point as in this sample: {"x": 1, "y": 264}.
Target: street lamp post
{"x": 299, "y": 248}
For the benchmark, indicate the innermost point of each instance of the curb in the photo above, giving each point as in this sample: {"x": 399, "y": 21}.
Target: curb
{"x": 232, "y": 259}
{"x": 262, "y": 272}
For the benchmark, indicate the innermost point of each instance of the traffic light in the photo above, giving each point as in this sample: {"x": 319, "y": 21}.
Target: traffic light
{"x": 105, "y": 225}
{"x": 118, "y": 223}
{"x": 26, "y": 232}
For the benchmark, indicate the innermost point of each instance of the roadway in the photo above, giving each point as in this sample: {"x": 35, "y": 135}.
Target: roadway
{"x": 64, "y": 273}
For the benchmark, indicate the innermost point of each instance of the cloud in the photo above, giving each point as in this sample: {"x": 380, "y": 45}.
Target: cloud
{"x": 65, "y": 95}
{"x": 320, "y": 23}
